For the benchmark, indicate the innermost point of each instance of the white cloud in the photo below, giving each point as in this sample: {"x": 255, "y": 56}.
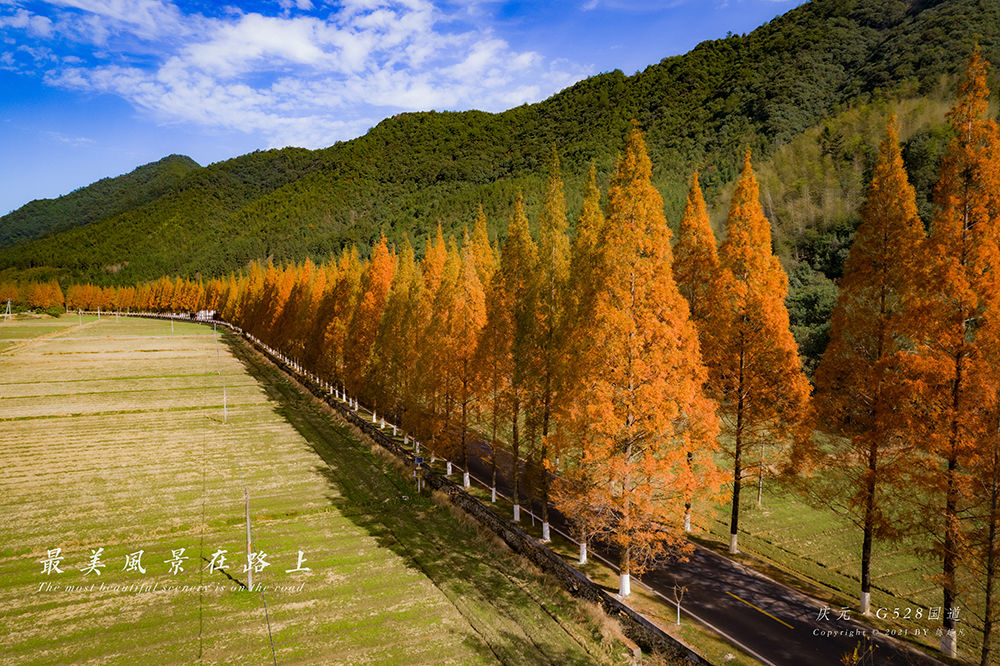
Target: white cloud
{"x": 298, "y": 79}
{"x": 71, "y": 140}
{"x": 254, "y": 41}
{"x": 146, "y": 18}
{"x": 35, "y": 25}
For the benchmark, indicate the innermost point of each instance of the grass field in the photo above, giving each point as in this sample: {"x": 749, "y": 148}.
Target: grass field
{"x": 25, "y": 327}
{"x": 113, "y": 437}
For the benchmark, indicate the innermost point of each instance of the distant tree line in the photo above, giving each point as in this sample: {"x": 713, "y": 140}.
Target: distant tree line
{"x": 32, "y": 295}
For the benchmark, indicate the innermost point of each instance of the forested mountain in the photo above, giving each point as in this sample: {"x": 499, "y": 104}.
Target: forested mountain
{"x": 795, "y": 81}
{"x": 105, "y": 198}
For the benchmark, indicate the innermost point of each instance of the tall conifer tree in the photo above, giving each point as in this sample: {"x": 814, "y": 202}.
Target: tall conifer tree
{"x": 961, "y": 320}
{"x": 364, "y": 324}
{"x": 575, "y": 490}
{"x": 756, "y": 372}
{"x": 696, "y": 269}
{"x": 468, "y": 316}
{"x": 510, "y": 320}
{"x": 644, "y": 405}
{"x": 547, "y": 352}
{"x": 860, "y": 383}
{"x": 393, "y": 355}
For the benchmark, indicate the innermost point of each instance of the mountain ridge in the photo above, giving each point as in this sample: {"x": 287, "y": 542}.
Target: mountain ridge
{"x": 103, "y": 198}
{"x": 700, "y": 110}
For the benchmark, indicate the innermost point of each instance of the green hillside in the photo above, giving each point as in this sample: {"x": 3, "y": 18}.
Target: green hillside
{"x": 105, "y": 198}
{"x": 776, "y": 87}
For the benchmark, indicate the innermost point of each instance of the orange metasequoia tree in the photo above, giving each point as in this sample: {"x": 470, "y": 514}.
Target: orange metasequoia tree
{"x": 506, "y": 335}
{"x": 861, "y": 385}
{"x": 696, "y": 259}
{"x": 644, "y": 406}
{"x": 546, "y": 353}
{"x": 756, "y": 373}
{"x": 288, "y": 315}
{"x": 428, "y": 395}
{"x": 575, "y": 490}
{"x": 393, "y": 356}
{"x": 309, "y": 311}
{"x": 492, "y": 362}
{"x": 438, "y": 356}
{"x": 958, "y": 359}
{"x": 364, "y": 324}
{"x": 45, "y": 295}
{"x": 333, "y": 314}
{"x": 467, "y": 318}
{"x": 696, "y": 270}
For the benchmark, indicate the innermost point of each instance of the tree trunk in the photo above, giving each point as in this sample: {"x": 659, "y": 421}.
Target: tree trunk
{"x": 687, "y": 504}
{"x": 869, "y": 529}
{"x": 545, "y": 472}
{"x": 515, "y": 451}
{"x": 734, "y": 523}
{"x": 625, "y": 579}
{"x": 991, "y": 553}
{"x": 493, "y": 449}
{"x": 734, "y": 520}
{"x": 465, "y": 447}
{"x": 949, "y": 640}
{"x": 760, "y": 477}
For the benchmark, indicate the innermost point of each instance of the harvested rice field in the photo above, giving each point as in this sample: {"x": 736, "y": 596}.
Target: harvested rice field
{"x": 128, "y": 448}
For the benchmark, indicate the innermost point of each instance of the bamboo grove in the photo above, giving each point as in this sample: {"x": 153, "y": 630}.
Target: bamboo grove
{"x": 643, "y": 377}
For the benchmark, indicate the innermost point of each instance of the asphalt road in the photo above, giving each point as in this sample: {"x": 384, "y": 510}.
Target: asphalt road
{"x": 774, "y": 623}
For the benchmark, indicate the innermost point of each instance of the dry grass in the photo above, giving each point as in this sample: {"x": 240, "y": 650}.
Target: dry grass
{"x": 114, "y": 439}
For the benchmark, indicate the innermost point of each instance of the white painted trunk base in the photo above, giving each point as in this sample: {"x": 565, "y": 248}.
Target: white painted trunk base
{"x": 465, "y": 480}
{"x": 733, "y": 548}
{"x": 949, "y": 643}
{"x": 517, "y": 513}
{"x": 583, "y": 553}
{"x": 866, "y": 603}
{"x": 624, "y": 585}
{"x": 447, "y": 468}
{"x": 545, "y": 533}
{"x": 493, "y": 495}
{"x": 687, "y": 521}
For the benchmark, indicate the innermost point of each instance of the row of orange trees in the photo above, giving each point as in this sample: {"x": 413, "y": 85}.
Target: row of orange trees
{"x": 911, "y": 378}
{"x": 165, "y": 294}
{"x": 633, "y": 369}
{"x": 581, "y": 351}
{"x": 32, "y": 294}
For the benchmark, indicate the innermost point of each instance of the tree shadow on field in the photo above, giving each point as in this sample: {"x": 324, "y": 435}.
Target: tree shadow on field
{"x": 518, "y": 618}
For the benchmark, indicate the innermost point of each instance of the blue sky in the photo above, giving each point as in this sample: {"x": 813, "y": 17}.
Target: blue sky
{"x": 94, "y": 88}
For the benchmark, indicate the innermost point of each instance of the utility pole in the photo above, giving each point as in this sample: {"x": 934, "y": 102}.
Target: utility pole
{"x": 246, "y": 501}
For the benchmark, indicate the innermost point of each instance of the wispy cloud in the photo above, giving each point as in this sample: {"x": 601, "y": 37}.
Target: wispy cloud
{"x": 71, "y": 140}
{"x": 299, "y": 76}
